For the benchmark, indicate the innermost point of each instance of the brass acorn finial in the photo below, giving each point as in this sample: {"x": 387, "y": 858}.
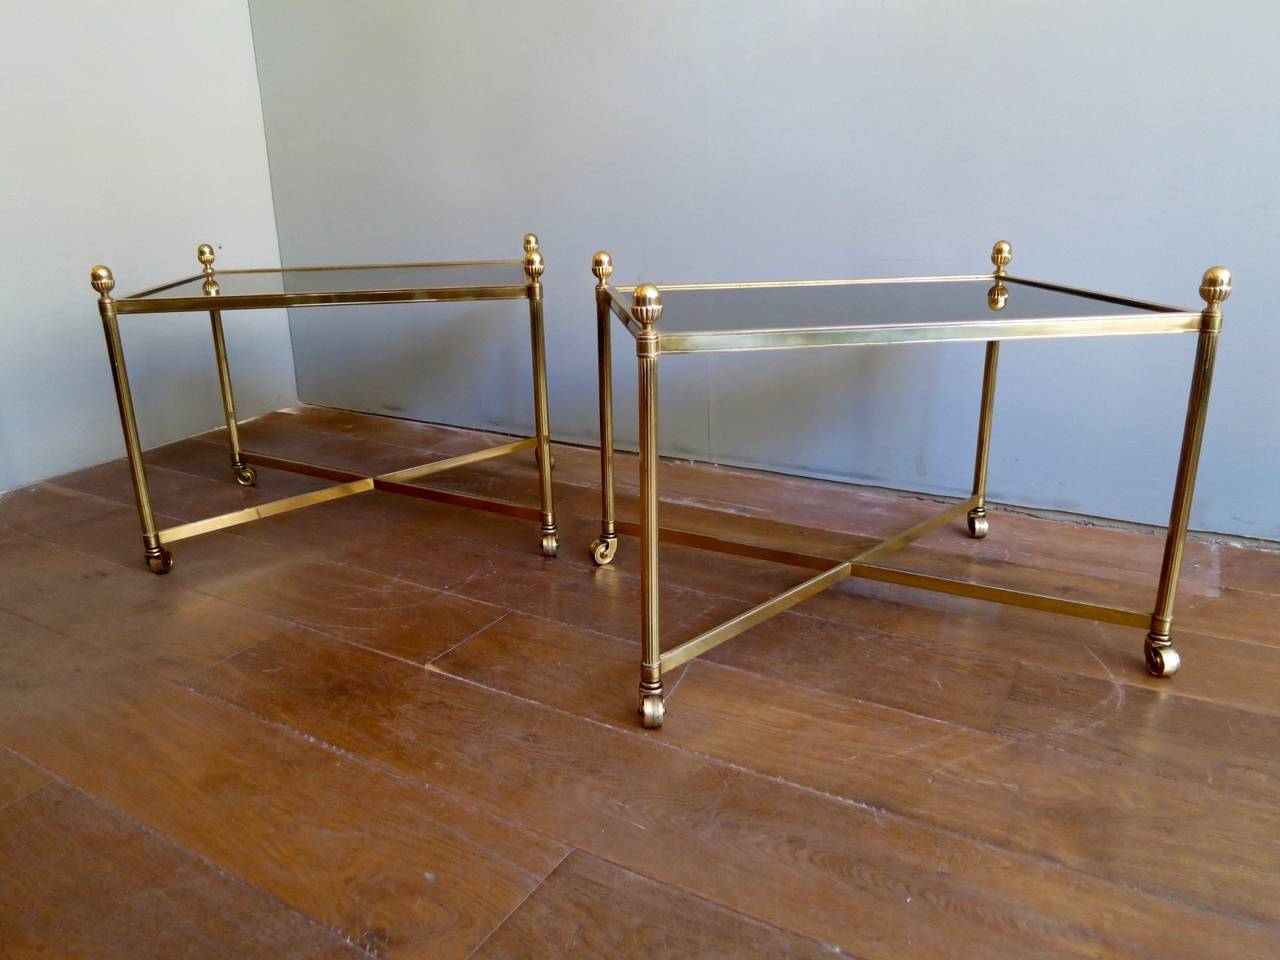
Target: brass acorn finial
{"x": 531, "y": 243}
{"x": 210, "y": 287}
{"x": 533, "y": 265}
{"x": 602, "y": 266}
{"x": 1215, "y": 286}
{"x": 1001, "y": 255}
{"x": 646, "y": 304}
{"x": 102, "y": 281}
{"x": 204, "y": 253}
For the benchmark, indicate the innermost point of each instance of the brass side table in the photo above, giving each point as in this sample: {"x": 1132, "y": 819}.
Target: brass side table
{"x": 706, "y": 318}
{"x": 320, "y": 286}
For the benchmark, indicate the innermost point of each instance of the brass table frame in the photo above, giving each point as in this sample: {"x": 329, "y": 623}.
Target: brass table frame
{"x": 156, "y": 541}
{"x": 639, "y": 314}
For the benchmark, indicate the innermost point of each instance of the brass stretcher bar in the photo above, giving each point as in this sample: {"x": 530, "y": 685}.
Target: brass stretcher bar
{"x": 321, "y": 286}
{"x": 1094, "y": 315}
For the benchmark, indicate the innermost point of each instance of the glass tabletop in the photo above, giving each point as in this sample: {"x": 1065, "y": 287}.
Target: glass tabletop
{"x": 346, "y": 280}
{"x": 745, "y": 309}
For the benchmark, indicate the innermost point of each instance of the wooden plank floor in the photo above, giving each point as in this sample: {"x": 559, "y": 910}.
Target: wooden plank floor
{"x": 388, "y": 727}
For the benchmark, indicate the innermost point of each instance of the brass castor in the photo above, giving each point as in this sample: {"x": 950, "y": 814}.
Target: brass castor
{"x": 1162, "y": 658}
{"x": 160, "y": 562}
{"x": 603, "y": 549}
{"x": 549, "y": 544}
{"x": 537, "y": 456}
{"x": 652, "y": 710}
{"x": 977, "y": 520}
{"x": 245, "y": 475}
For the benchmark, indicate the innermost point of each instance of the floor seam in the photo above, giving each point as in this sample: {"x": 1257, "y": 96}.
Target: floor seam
{"x": 878, "y": 811}
{"x": 171, "y": 843}
{"x": 465, "y": 800}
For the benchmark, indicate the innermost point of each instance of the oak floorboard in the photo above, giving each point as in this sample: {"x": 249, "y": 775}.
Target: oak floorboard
{"x": 512, "y": 478}
{"x": 877, "y": 512}
{"x": 590, "y": 909}
{"x": 1176, "y": 737}
{"x": 18, "y": 777}
{"x": 78, "y": 879}
{"x": 871, "y": 883}
{"x": 396, "y": 867}
{"x": 1213, "y": 608}
{"x": 225, "y": 580}
{"x": 887, "y": 771}
{"x": 184, "y": 495}
{"x": 161, "y": 626}
{"x": 1017, "y": 793}
{"x": 941, "y": 628}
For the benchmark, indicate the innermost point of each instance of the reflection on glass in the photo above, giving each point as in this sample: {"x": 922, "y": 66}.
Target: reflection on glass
{"x": 879, "y": 303}
{"x": 998, "y": 296}
{"x": 349, "y": 280}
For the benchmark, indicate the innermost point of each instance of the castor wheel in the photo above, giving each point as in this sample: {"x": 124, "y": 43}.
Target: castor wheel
{"x": 1162, "y": 660}
{"x": 977, "y": 520}
{"x": 245, "y": 475}
{"x": 549, "y": 544}
{"x": 160, "y": 562}
{"x": 603, "y": 549}
{"x": 652, "y": 710}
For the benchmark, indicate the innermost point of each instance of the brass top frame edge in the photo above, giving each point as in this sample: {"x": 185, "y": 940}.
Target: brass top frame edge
{"x": 375, "y": 266}
{"x": 163, "y": 286}
{"x": 764, "y": 284}
{"x": 623, "y": 312}
{"x": 1096, "y": 295}
{"x": 341, "y": 266}
{"x": 711, "y": 341}
{"x": 276, "y": 301}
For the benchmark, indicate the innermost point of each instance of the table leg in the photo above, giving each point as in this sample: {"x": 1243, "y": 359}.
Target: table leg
{"x": 245, "y": 475}
{"x": 533, "y": 267}
{"x": 977, "y": 517}
{"x": 158, "y": 559}
{"x": 1162, "y": 658}
{"x": 605, "y": 546}
{"x": 646, "y": 308}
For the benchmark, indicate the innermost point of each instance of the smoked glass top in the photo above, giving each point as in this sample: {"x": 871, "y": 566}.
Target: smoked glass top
{"x": 880, "y": 303}
{"x": 345, "y": 280}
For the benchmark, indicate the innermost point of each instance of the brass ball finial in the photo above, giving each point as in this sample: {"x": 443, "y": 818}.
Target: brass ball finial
{"x": 204, "y": 253}
{"x": 1215, "y": 286}
{"x": 531, "y": 243}
{"x": 102, "y": 280}
{"x": 646, "y": 304}
{"x": 533, "y": 265}
{"x": 602, "y": 266}
{"x": 1001, "y": 255}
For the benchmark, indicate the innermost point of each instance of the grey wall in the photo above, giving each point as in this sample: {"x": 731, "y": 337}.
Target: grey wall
{"x": 1118, "y": 146}
{"x": 132, "y": 132}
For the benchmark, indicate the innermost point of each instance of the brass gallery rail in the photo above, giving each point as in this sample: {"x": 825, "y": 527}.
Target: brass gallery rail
{"x": 859, "y": 313}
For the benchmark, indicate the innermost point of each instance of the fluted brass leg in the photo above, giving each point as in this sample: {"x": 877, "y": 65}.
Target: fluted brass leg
{"x": 533, "y": 267}
{"x": 245, "y": 475}
{"x": 606, "y": 545}
{"x": 977, "y": 517}
{"x": 158, "y": 559}
{"x": 647, "y": 307}
{"x": 1162, "y": 659}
